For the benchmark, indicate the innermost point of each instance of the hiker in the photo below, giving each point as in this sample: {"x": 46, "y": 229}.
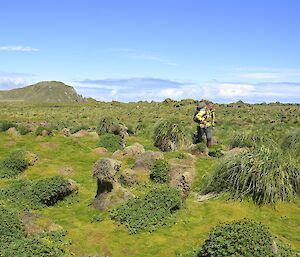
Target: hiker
{"x": 205, "y": 117}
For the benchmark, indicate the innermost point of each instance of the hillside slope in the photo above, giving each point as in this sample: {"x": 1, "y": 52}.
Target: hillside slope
{"x": 44, "y": 91}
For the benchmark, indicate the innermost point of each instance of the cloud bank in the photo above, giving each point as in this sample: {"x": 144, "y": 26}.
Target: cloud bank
{"x": 19, "y": 48}
{"x": 135, "y": 89}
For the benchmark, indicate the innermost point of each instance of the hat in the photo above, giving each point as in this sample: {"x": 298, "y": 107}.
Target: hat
{"x": 201, "y": 104}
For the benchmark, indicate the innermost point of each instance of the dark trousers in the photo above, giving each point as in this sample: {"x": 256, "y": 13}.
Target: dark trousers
{"x": 201, "y": 132}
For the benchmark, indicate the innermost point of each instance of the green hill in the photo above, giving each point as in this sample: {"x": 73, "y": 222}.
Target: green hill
{"x": 44, "y": 91}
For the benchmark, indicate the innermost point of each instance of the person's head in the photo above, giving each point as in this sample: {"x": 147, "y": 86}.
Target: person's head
{"x": 201, "y": 105}
{"x": 210, "y": 106}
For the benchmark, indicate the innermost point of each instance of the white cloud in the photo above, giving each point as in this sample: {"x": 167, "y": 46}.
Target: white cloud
{"x": 19, "y": 48}
{"x": 10, "y": 80}
{"x": 259, "y": 75}
{"x": 235, "y": 90}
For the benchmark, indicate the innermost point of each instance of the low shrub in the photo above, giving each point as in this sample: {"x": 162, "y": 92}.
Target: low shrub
{"x": 40, "y": 131}
{"x": 110, "y": 142}
{"x": 170, "y": 135}
{"x": 5, "y": 125}
{"x": 49, "y": 191}
{"x": 14, "y": 242}
{"x": 160, "y": 171}
{"x": 150, "y": 212}
{"x": 264, "y": 175}
{"x": 240, "y": 238}
{"x": 201, "y": 147}
{"x": 13, "y": 164}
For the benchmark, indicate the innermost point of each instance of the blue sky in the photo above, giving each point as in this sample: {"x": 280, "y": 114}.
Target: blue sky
{"x": 129, "y": 50}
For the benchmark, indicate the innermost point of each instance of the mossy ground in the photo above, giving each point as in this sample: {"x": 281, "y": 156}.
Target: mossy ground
{"x": 106, "y": 238}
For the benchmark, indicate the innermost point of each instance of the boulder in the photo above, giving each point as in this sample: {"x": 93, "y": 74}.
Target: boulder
{"x": 45, "y": 133}
{"x": 12, "y": 132}
{"x": 181, "y": 175}
{"x": 65, "y": 132}
{"x": 105, "y": 169}
{"x": 80, "y": 133}
{"x": 93, "y": 135}
{"x": 146, "y": 159}
{"x": 130, "y": 151}
{"x": 109, "y": 191}
{"x": 131, "y": 177}
{"x": 100, "y": 150}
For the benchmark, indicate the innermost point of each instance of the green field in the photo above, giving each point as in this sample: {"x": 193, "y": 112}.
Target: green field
{"x": 193, "y": 221}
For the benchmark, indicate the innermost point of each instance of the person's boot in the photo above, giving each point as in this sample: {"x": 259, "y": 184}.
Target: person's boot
{"x": 208, "y": 143}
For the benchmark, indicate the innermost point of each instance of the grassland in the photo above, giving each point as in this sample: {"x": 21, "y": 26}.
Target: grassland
{"x": 193, "y": 221}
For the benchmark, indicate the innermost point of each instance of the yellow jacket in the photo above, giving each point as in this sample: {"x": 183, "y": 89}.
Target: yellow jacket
{"x": 206, "y": 117}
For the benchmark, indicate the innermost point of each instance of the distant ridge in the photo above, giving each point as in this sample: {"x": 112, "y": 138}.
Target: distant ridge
{"x": 44, "y": 92}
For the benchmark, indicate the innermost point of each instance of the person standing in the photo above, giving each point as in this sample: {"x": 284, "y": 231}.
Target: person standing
{"x": 205, "y": 118}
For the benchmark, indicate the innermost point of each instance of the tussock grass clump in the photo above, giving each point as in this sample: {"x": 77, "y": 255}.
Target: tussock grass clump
{"x": 242, "y": 139}
{"x": 150, "y": 212}
{"x": 291, "y": 142}
{"x": 5, "y": 125}
{"x": 264, "y": 175}
{"x": 170, "y": 135}
{"x": 105, "y": 125}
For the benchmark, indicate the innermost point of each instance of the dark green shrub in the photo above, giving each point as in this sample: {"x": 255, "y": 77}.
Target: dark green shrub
{"x": 48, "y": 191}
{"x": 149, "y": 212}
{"x": 239, "y": 238}
{"x": 215, "y": 151}
{"x": 19, "y": 194}
{"x": 160, "y": 171}
{"x": 170, "y": 135}
{"x": 11, "y": 226}
{"x": 13, "y": 164}
{"x": 264, "y": 175}
{"x": 5, "y": 125}
{"x": 110, "y": 142}
{"x": 23, "y": 130}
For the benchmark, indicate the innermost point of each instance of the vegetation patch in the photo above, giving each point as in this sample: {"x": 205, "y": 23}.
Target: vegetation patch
{"x": 160, "y": 171}
{"x": 242, "y": 238}
{"x": 264, "y": 175}
{"x": 291, "y": 142}
{"x": 150, "y": 212}
{"x": 244, "y": 139}
{"x": 170, "y": 135}
{"x": 13, "y": 164}
{"x": 5, "y": 125}
{"x": 110, "y": 142}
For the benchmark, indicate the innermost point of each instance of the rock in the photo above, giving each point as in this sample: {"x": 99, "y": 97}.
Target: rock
{"x": 93, "y": 135}
{"x": 73, "y": 187}
{"x": 109, "y": 191}
{"x": 129, "y": 177}
{"x": 36, "y": 223}
{"x": 111, "y": 196}
{"x": 45, "y": 133}
{"x": 12, "y": 132}
{"x": 100, "y": 150}
{"x": 80, "y": 133}
{"x": 146, "y": 159}
{"x": 105, "y": 169}
{"x": 181, "y": 175}
{"x": 66, "y": 171}
{"x": 65, "y": 132}
{"x": 31, "y": 158}
{"x": 130, "y": 151}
